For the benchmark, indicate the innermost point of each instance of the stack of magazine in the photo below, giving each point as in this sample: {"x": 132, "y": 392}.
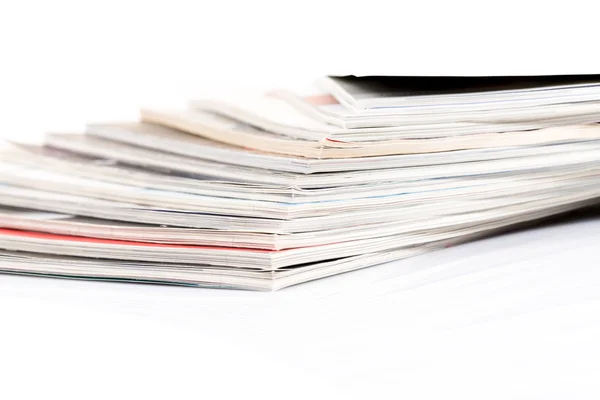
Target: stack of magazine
{"x": 267, "y": 191}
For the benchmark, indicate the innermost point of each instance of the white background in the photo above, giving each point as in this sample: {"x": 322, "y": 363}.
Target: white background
{"x": 526, "y": 329}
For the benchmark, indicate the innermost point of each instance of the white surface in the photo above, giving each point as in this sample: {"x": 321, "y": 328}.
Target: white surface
{"x": 516, "y": 316}
{"x": 513, "y": 317}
